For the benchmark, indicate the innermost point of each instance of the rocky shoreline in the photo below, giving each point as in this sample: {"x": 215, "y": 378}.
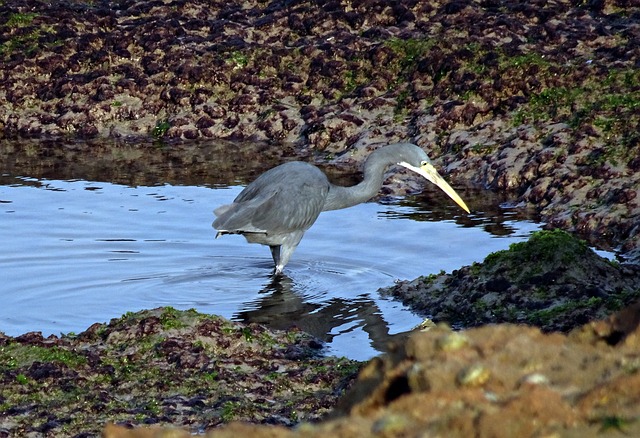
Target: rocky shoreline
{"x": 164, "y": 366}
{"x": 538, "y": 99}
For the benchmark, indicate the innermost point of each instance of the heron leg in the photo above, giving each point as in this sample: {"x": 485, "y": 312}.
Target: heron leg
{"x": 282, "y": 253}
{"x": 275, "y": 253}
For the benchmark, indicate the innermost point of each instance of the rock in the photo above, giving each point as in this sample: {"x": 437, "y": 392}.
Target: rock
{"x": 162, "y": 367}
{"x": 553, "y": 280}
{"x": 503, "y": 381}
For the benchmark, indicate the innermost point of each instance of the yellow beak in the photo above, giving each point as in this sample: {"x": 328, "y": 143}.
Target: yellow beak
{"x": 429, "y": 172}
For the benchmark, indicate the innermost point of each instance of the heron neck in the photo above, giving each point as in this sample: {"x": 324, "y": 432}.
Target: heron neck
{"x": 343, "y": 197}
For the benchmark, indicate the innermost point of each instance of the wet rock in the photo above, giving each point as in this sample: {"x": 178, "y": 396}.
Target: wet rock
{"x": 553, "y": 281}
{"x": 164, "y": 366}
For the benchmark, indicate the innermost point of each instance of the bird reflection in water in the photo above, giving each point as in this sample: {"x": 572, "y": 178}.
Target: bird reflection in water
{"x": 283, "y": 307}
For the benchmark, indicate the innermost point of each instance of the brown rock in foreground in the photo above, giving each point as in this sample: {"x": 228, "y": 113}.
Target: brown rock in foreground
{"x": 499, "y": 381}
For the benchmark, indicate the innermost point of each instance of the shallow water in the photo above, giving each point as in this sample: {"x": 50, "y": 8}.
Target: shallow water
{"x": 77, "y": 251}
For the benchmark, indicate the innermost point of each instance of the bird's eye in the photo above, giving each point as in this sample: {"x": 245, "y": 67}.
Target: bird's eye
{"x": 424, "y": 163}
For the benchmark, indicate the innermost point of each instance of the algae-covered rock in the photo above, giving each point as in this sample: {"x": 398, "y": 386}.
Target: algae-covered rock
{"x": 553, "y": 280}
{"x": 164, "y": 367}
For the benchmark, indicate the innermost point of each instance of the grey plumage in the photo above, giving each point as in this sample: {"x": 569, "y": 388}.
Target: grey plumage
{"x": 281, "y": 204}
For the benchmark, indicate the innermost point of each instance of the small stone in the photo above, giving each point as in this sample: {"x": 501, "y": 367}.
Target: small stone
{"x": 418, "y": 379}
{"x": 474, "y": 375}
{"x": 391, "y": 425}
{"x": 426, "y": 325}
{"x": 535, "y": 379}
{"x": 451, "y": 342}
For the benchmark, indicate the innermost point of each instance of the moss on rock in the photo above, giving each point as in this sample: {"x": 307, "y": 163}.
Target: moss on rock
{"x": 164, "y": 366}
{"x": 553, "y": 281}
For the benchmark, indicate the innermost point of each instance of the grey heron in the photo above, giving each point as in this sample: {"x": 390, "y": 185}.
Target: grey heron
{"x": 281, "y": 204}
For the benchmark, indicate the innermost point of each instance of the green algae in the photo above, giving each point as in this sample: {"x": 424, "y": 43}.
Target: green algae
{"x": 553, "y": 281}
{"x": 164, "y": 366}
{"x": 20, "y": 19}
{"x": 408, "y": 52}
{"x": 543, "y": 251}
{"x": 15, "y": 355}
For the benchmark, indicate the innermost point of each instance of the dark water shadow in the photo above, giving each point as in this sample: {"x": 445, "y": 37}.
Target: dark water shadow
{"x": 203, "y": 163}
{"x": 283, "y": 307}
{"x": 495, "y": 213}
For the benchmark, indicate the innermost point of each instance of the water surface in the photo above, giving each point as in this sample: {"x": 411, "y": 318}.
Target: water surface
{"x": 78, "y": 251}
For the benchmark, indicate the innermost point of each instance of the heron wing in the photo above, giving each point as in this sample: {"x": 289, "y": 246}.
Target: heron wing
{"x": 282, "y": 200}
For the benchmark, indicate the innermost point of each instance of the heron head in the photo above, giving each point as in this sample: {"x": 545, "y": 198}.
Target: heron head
{"x": 419, "y": 162}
